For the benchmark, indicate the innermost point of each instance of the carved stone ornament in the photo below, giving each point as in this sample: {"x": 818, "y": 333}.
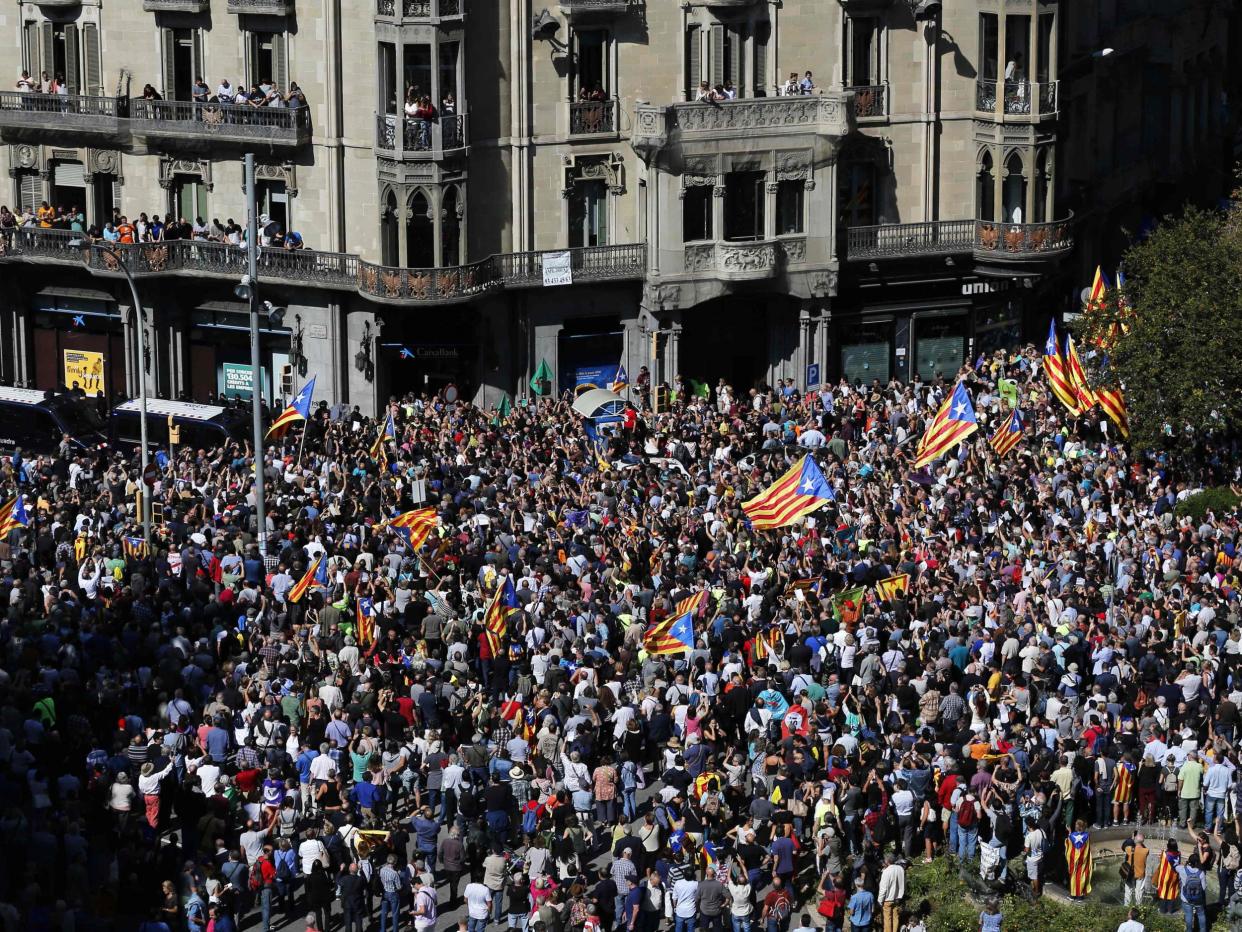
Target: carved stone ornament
{"x": 753, "y": 257}
{"x": 25, "y": 157}
{"x": 171, "y": 167}
{"x": 285, "y": 172}
{"x": 824, "y": 285}
{"x": 661, "y": 297}
{"x": 103, "y": 161}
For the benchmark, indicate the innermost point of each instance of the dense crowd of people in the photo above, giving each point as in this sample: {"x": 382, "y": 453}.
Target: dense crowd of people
{"x": 990, "y": 660}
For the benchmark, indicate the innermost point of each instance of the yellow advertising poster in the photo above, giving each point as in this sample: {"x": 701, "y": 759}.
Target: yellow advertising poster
{"x": 84, "y": 369}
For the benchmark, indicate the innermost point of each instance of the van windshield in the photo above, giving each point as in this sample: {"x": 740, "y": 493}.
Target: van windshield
{"x": 77, "y": 416}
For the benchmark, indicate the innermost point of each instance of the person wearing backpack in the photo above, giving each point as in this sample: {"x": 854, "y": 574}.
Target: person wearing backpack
{"x": 262, "y": 877}
{"x": 967, "y": 812}
{"x": 1194, "y": 894}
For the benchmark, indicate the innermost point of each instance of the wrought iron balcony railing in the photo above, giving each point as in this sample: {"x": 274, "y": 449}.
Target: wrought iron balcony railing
{"x": 870, "y": 102}
{"x": 310, "y": 268}
{"x": 235, "y": 123}
{"x": 176, "y": 6}
{"x": 1023, "y": 240}
{"x": 1016, "y": 99}
{"x": 985, "y": 238}
{"x": 902, "y": 240}
{"x": 261, "y": 7}
{"x": 587, "y": 117}
{"x": 418, "y": 9}
{"x": 409, "y": 137}
{"x": 24, "y": 115}
{"x": 595, "y": 7}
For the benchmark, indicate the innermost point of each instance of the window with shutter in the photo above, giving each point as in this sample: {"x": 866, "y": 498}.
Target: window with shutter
{"x": 763, "y": 33}
{"x": 170, "y": 64}
{"x": 716, "y": 55}
{"x": 735, "y": 41}
{"x": 694, "y": 61}
{"x": 30, "y": 191}
{"x": 72, "y": 68}
{"x": 92, "y": 82}
{"x": 280, "y": 62}
{"x": 47, "y": 49}
{"x": 30, "y": 48}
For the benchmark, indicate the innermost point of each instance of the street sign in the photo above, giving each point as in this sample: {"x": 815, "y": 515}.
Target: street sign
{"x": 151, "y": 475}
{"x": 812, "y": 375}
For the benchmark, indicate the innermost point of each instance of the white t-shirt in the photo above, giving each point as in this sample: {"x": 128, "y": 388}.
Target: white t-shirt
{"x": 478, "y": 900}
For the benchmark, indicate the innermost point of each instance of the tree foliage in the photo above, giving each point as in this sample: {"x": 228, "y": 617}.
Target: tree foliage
{"x": 1173, "y": 340}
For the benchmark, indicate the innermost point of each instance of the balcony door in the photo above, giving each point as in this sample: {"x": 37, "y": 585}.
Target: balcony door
{"x": 183, "y": 62}
{"x": 68, "y": 51}
{"x": 267, "y": 61}
{"x": 187, "y": 197}
{"x": 588, "y": 213}
{"x": 745, "y": 202}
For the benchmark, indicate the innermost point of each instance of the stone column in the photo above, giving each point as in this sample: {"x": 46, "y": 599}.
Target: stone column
{"x": 806, "y": 351}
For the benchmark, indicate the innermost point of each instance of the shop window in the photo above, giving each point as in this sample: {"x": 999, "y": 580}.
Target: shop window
{"x": 588, "y": 214}
{"x": 696, "y": 209}
{"x": 789, "y": 207}
{"x": 866, "y": 352}
{"x": 745, "y": 198}
{"x": 940, "y": 346}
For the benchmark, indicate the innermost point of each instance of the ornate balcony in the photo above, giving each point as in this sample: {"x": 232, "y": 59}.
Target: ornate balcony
{"x": 422, "y": 10}
{"x": 701, "y": 128}
{"x": 261, "y": 7}
{"x": 176, "y": 6}
{"x": 400, "y": 137}
{"x": 584, "y": 8}
{"x": 334, "y": 270}
{"x": 747, "y": 261}
{"x": 999, "y": 245}
{"x": 1013, "y": 247}
{"x": 57, "y": 4}
{"x": 590, "y": 117}
{"x": 909, "y": 240}
{"x": 870, "y": 103}
{"x": 72, "y": 118}
{"x": 1016, "y": 101}
{"x": 193, "y": 125}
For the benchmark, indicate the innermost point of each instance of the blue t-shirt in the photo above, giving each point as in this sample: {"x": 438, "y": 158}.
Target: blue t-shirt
{"x": 862, "y": 908}
{"x": 990, "y": 922}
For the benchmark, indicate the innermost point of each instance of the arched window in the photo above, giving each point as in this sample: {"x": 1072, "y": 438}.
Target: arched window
{"x": 390, "y": 248}
{"x": 1014, "y": 191}
{"x": 450, "y": 227}
{"x": 985, "y": 190}
{"x": 1042, "y": 183}
{"x": 420, "y": 243}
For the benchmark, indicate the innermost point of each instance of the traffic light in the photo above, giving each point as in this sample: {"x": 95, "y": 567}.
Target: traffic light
{"x": 286, "y": 380}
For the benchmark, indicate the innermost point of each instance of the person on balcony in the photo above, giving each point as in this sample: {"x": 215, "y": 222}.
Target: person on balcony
{"x": 225, "y": 93}
{"x": 200, "y": 93}
{"x": 806, "y": 86}
{"x": 25, "y": 84}
{"x": 791, "y": 87}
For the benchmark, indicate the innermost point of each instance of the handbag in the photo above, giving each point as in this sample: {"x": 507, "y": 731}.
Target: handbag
{"x": 1126, "y": 871}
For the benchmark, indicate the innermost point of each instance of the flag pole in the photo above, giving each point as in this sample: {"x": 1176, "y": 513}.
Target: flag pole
{"x": 302, "y": 442}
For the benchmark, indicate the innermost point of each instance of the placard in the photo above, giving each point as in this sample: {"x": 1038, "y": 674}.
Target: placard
{"x": 84, "y": 369}
{"x": 558, "y": 268}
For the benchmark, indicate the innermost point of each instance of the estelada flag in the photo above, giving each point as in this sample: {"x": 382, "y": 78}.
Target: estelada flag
{"x": 302, "y": 586}
{"x": 800, "y": 491}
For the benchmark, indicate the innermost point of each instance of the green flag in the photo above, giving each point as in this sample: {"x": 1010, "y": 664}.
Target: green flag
{"x": 848, "y": 602}
{"x": 702, "y": 389}
{"x": 1008, "y": 391}
{"x": 506, "y": 407}
{"x": 541, "y": 380}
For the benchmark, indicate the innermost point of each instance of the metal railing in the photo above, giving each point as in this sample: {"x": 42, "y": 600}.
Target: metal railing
{"x": 323, "y": 269}
{"x": 58, "y": 105}
{"x": 260, "y": 7}
{"x": 592, "y": 116}
{"x": 1016, "y": 98}
{"x": 423, "y": 9}
{"x": 1019, "y": 240}
{"x": 897, "y": 240}
{"x": 411, "y": 134}
{"x": 220, "y": 118}
{"x": 870, "y": 101}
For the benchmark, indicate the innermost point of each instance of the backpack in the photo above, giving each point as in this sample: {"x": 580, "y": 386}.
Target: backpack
{"x": 283, "y": 871}
{"x": 530, "y": 820}
{"x": 256, "y": 877}
{"x": 1192, "y": 889}
{"x": 780, "y": 910}
{"x": 966, "y": 814}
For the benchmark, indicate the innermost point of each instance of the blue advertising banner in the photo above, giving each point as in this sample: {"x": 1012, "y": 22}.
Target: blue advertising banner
{"x": 584, "y": 377}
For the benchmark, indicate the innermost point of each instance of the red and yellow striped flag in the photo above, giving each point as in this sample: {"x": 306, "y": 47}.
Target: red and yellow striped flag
{"x": 1058, "y": 376}
{"x": 302, "y": 586}
{"x": 1114, "y": 405}
{"x": 1078, "y": 377}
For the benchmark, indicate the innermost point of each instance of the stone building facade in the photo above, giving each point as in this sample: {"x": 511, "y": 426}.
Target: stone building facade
{"x": 943, "y": 184}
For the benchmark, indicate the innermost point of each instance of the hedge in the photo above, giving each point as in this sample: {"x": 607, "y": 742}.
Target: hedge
{"x": 1220, "y": 501}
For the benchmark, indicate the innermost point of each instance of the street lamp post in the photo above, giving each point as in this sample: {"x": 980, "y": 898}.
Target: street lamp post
{"x": 249, "y": 291}
{"x": 117, "y": 256}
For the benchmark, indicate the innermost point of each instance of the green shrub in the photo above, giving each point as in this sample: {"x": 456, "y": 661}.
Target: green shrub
{"x": 1220, "y": 501}
{"x": 936, "y": 890}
